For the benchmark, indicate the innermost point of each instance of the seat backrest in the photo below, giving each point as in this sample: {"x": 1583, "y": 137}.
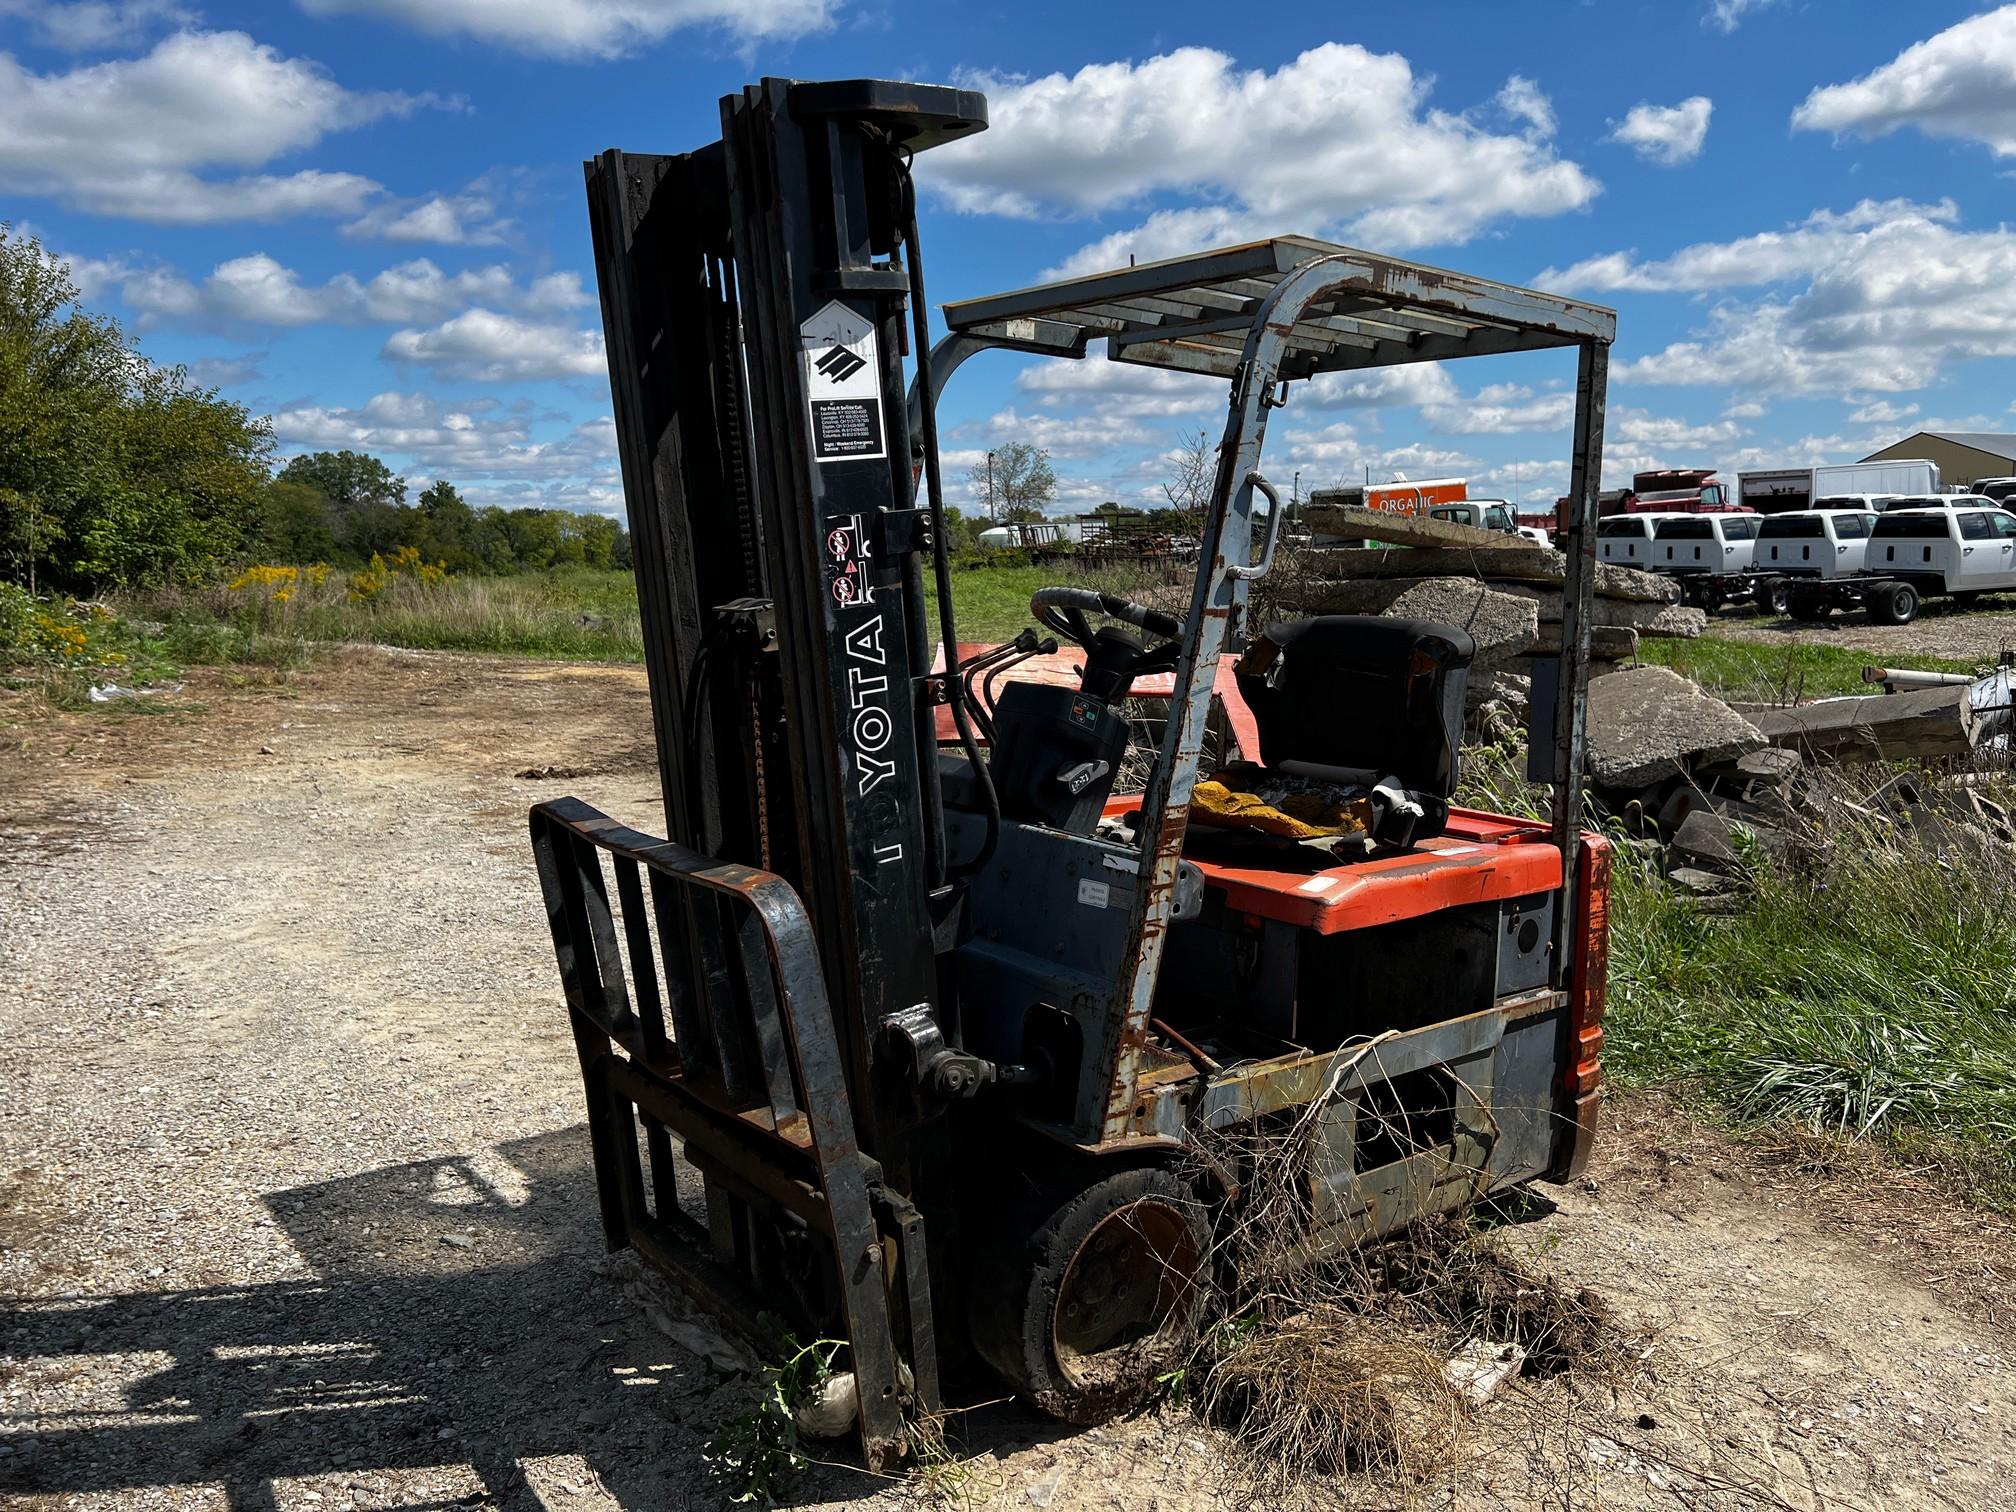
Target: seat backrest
{"x": 1352, "y": 690}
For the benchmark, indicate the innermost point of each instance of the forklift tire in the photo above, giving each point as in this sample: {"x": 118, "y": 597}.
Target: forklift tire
{"x": 1896, "y": 604}
{"x": 1774, "y": 598}
{"x": 1095, "y": 1299}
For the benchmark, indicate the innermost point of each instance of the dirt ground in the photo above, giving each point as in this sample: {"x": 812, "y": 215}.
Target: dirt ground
{"x": 1981, "y": 633}
{"x": 295, "y": 1205}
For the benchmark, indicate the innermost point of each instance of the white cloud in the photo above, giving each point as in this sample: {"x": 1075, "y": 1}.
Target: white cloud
{"x": 1882, "y": 412}
{"x": 1076, "y": 435}
{"x": 95, "y": 25}
{"x": 588, "y": 28}
{"x": 1524, "y": 100}
{"x": 489, "y": 453}
{"x": 222, "y": 372}
{"x": 128, "y": 137}
{"x": 1959, "y": 83}
{"x": 1642, "y": 428}
{"x": 491, "y": 347}
{"x": 468, "y": 219}
{"x": 1122, "y": 388}
{"x": 1727, "y": 15}
{"x": 1340, "y": 141}
{"x": 1668, "y": 135}
{"x": 258, "y": 289}
{"x": 1824, "y": 238}
{"x": 1894, "y": 294}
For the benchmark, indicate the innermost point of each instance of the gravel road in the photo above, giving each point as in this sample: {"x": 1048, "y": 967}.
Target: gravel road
{"x": 1979, "y": 634}
{"x": 295, "y": 1207}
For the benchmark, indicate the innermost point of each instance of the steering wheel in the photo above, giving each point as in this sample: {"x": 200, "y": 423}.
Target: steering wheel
{"x": 1113, "y": 657}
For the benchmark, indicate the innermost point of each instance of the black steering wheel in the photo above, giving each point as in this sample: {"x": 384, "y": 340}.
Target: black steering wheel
{"x": 1114, "y": 657}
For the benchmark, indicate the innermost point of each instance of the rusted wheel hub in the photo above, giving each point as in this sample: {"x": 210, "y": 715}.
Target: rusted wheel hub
{"x": 1132, "y": 1277}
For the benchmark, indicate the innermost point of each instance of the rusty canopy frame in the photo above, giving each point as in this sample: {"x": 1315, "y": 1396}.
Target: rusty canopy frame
{"x": 1264, "y": 315}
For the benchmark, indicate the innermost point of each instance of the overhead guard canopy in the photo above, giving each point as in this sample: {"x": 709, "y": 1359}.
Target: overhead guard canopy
{"x": 1193, "y": 313}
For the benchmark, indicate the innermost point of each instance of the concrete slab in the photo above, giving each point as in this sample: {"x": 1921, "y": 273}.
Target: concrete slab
{"x": 1647, "y": 724}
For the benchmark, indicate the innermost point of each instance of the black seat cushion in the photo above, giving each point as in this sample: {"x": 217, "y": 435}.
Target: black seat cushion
{"x": 1348, "y": 690}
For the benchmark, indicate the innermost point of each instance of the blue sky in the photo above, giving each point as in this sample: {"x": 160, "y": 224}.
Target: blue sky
{"x": 364, "y": 217}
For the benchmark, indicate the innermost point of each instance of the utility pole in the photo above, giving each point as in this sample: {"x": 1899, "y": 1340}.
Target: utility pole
{"x": 1295, "y": 496}
{"x": 990, "y": 490}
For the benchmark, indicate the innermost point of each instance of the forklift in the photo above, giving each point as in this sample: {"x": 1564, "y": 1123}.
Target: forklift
{"x": 916, "y": 1031}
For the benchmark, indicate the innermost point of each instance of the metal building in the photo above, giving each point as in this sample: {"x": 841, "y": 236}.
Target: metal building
{"x": 1964, "y": 457}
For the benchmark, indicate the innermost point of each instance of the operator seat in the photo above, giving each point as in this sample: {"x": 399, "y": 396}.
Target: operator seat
{"x": 1367, "y": 693}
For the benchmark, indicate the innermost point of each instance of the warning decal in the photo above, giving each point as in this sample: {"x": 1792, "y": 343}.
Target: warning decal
{"x": 843, "y": 381}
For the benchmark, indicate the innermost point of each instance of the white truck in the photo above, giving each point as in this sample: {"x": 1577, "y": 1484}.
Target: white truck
{"x": 1915, "y": 554}
{"x": 1480, "y": 514}
{"x": 1626, "y": 539}
{"x": 1823, "y": 544}
{"x": 1711, "y": 555}
{"x": 1780, "y": 490}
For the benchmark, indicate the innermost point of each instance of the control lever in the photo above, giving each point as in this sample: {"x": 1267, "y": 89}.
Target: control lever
{"x": 1080, "y": 775}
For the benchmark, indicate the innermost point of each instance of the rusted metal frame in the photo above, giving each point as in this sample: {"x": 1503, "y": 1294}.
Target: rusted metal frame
{"x": 761, "y": 1163}
{"x": 1170, "y": 277}
{"x": 760, "y": 993}
{"x": 1229, "y": 335}
{"x": 845, "y": 1173}
{"x": 1242, "y": 1093}
{"x": 1409, "y": 321}
{"x": 706, "y": 932}
{"x": 1209, "y": 361}
{"x": 914, "y": 1265}
{"x": 654, "y": 1047}
{"x": 1578, "y": 587}
{"x": 1218, "y": 595}
{"x": 679, "y": 1248}
{"x": 693, "y": 1039}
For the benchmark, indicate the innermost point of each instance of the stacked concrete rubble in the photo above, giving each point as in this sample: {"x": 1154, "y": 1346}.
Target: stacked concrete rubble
{"x": 1505, "y": 592}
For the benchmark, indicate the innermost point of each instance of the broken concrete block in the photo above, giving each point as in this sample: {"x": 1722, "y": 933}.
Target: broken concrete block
{"x": 1631, "y": 614}
{"x": 1879, "y": 727}
{"x": 1647, "y": 724}
{"x": 1704, "y": 839}
{"x": 1395, "y": 529}
{"x": 1703, "y": 884}
{"x": 1496, "y": 564}
{"x": 1773, "y": 764}
{"x": 1606, "y": 642}
{"x": 1503, "y": 625}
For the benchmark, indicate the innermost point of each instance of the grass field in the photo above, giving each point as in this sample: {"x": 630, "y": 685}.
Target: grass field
{"x": 1783, "y": 673}
{"x": 1870, "y": 999}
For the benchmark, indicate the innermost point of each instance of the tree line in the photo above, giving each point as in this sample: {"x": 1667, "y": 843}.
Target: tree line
{"x": 117, "y": 471}
{"x": 348, "y": 506}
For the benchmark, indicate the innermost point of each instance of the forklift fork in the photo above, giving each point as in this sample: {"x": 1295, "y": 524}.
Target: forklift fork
{"x": 749, "y": 1077}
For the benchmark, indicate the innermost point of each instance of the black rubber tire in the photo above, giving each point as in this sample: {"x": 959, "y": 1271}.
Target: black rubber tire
{"x": 1895, "y": 604}
{"x": 1015, "y": 1283}
{"x": 1774, "y": 598}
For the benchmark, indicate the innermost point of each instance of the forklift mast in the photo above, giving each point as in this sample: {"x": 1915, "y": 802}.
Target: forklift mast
{"x": 878, "y": 983}
{"x": 755, "y": 298}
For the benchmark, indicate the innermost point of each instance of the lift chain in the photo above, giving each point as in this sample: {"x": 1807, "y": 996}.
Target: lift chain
{"x": 762, "y": 787}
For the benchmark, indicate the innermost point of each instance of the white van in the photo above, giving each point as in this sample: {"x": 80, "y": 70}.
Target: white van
{"x": 1626, "y": 539}
{"x": 1824, "y": 543}
{"x": 1705, "y": 543}
{"x": 1947, "y": 550}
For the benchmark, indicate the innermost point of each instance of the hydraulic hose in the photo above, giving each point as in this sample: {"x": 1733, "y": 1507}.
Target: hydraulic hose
{"x": 934, "y": 493}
